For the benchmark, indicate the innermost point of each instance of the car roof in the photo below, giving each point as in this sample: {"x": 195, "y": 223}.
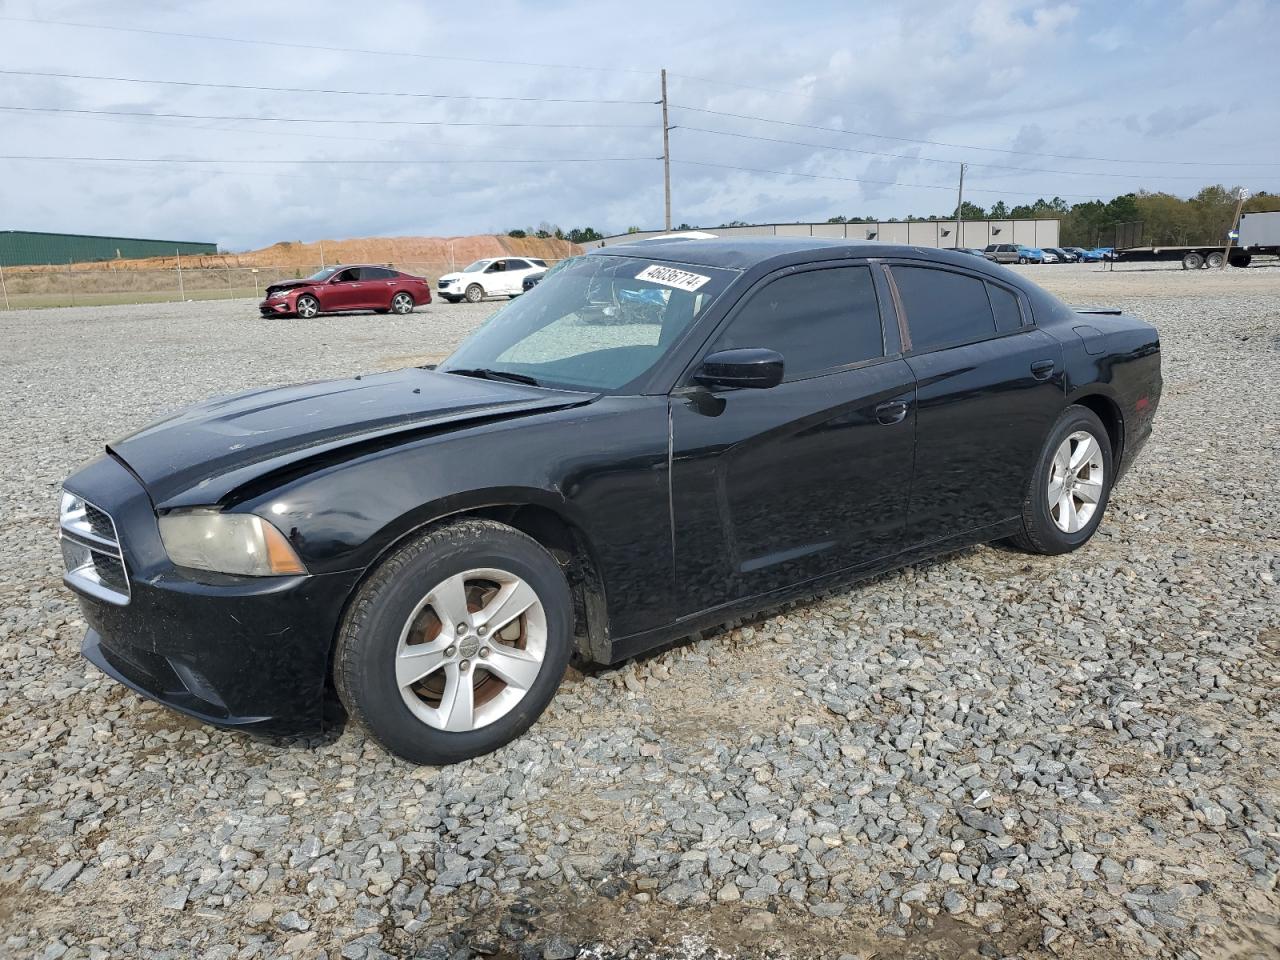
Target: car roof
{"x": 744, "y": 253}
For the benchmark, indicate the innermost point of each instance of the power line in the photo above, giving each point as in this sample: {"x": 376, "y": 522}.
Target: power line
{"x": 888, "y": 183}
{"x": 315, "y": 46}
{"x": 362, "y": 120}
{"x": 342, "y": 160}
{"x": 907, "y": 156}
{"x": 329, "y": 92}
{"x": 970, "y": 146}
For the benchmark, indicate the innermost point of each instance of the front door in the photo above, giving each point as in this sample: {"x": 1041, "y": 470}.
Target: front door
{"x": 775, "y": 487}
{"x": 343, "y": 291}
{"x": 989, "y": 387}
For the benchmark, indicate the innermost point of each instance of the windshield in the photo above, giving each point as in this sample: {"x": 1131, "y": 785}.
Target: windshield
{"x": 324, "y": 274}
{"x": 594, "y": 323}
{"x": 477, "y": 266}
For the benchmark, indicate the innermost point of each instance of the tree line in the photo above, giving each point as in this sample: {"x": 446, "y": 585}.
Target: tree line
{"x": 545, "y": 231}
{"x": 1167, "y": 220}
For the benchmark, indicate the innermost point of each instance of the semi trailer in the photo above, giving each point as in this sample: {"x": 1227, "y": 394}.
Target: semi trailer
{"x": 1259, "y": 235}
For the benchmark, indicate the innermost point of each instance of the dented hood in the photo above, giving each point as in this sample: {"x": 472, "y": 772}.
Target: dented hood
{"x": 205, "y": 452}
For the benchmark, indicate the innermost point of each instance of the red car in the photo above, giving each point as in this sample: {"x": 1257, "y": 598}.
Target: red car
{"x": 335, "y": 289}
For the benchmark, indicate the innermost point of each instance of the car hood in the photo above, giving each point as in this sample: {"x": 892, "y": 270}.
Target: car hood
{"x": 203, "y": 454}
{"x": 288, "y": 285}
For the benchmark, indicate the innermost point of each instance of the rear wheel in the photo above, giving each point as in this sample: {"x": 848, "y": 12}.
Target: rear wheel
{"x": 475, "y": 293}
{"x": 1214, "y": 260}
{"x": 1069, "y": 487}
{"x": 402, "y": 303}
{"x": 457, "y": 643}
{"x": 308, "y": 306}
{"x": 1022, "y": 259}
{"x": 1192, "y": 261}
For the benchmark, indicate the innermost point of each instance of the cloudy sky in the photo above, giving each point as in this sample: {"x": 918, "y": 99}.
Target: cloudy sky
{"x": 825, "y": 107}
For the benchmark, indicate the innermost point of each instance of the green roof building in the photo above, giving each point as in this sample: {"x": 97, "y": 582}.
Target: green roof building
{"x": 22, "y": 247}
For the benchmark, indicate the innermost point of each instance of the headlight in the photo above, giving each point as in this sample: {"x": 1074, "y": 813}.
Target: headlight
{"x": 238, "y": 543}
{"x": 280, "y": 294}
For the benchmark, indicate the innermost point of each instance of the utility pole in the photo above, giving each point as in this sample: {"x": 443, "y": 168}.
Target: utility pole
{"x": 1235, "y": 225}
{"x": 666, "y": 154}
{"x": 960, "y": 208}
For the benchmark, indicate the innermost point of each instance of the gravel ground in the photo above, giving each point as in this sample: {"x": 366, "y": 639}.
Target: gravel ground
{"x": 989, "y": 754}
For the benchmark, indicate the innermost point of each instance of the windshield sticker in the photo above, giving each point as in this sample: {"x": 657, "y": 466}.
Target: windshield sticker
{"x": 671, "y": 277}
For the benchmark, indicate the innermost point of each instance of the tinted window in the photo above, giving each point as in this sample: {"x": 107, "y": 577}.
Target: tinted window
{"x": 517, "y": 265}
{"x": 1005, "y": 306}
{"x": 376, "y": 273}
{"x": 943, "y": 308}
{"x": 818, "y": 320}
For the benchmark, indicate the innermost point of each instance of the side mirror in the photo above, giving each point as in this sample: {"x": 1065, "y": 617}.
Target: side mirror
{"x": 745, "y": 367}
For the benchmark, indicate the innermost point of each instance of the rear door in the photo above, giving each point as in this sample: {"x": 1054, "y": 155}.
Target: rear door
{"x": 377, "y": 285}
{"x": 988, "y": 387}
{"x": 772, "y": 487}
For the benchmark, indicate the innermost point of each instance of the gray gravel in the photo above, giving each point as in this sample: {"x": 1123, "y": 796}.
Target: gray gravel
{"x": 988, "y": 754}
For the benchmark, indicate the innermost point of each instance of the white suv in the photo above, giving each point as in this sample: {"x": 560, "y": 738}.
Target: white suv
{"x": 494, "y": 277}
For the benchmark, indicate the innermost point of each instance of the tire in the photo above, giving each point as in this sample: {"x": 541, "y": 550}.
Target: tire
{"x": 402, "y": 303}
{"x": 1041, "y": 530}
{"x": 1022, "y": 259}
{"x": 475, "y": 293}
{"x": 1240, "y": 260}
{"x": 1192, "y": 261}
{"x": 307, "y": 307}
{"x": 1214, "y": 260}
{"x": 397, "y": 604}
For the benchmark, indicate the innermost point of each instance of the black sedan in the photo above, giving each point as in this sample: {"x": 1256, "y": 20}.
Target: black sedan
{"x": 652, "y": 441}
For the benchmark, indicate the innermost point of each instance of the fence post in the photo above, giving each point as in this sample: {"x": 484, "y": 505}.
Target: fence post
{"x": 182, "y": 294}
{"x": 3, "y": 288}
{"x": 70, "y": 284}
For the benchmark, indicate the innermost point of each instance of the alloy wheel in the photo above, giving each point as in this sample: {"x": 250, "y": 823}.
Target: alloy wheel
{"x": 307, "y": 307}
{"x": 471, "y": 649}
{"x": 401, "y": 303}
{"x": 1075, "y": 482}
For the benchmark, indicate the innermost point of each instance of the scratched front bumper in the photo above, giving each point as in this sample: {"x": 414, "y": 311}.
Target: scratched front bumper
{"x": 245, "y": 652}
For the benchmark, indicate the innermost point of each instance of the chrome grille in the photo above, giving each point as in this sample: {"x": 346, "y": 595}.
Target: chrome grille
{"x": 91, "y": 551}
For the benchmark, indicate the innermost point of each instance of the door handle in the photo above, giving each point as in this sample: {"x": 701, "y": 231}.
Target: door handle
{"x": 892, "y": 411}
{"x": 1042, "y": 369}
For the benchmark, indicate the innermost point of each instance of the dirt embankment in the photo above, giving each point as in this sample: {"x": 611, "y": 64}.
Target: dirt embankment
{"x": 434, "y": 254}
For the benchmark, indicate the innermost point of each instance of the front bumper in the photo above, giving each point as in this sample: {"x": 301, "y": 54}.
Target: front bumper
{"x": 275, "y": 308}
{"x": 244, "y": 652}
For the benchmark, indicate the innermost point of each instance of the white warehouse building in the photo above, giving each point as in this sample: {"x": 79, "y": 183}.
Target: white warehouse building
{"x": 920, "y": 233}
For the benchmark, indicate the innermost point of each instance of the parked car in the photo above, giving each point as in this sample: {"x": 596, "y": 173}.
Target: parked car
{"x": 1012, "y": 253}
{"x": 1085, "y": 256}
{"x": 338, "y": 289}
{"x": 1105, "y": 253}
{"x": 659, "y": 439}
{"x": 972, "y": 251}
{"x": 492, "y": 277}
{"x": 533, "y": 279}
{"x": 1060, "y": 255}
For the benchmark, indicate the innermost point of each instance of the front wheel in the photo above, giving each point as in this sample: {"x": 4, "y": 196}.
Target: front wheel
{"x": 1069, "y": 487}
{"x": 1022, "y": 259}
{"x": 308, "y": 306}
{"x": 475, "y": 293}
{"x": 457, "y": 643}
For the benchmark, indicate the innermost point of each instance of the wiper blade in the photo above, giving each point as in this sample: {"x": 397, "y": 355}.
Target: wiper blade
{"x": 485, "y": 373}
